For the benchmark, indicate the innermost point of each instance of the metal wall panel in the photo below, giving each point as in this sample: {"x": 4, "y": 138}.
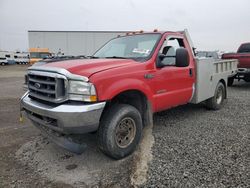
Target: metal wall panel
{"x": 75, "y": 44}
{"x": 89, "y": 46}
{"x": 70, "y": 42}
{"x": 56, "y": 41}
{"x": 36, "y": 39}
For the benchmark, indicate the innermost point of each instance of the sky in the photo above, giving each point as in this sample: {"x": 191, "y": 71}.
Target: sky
{"x": 213, "y": 24}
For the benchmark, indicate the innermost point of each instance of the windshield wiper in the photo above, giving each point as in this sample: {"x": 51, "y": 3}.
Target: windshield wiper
{"x": 116, "y": 57}
{"x": 92, "y": 57}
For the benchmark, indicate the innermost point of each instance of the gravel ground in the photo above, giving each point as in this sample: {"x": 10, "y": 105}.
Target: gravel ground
{"x": 195, "y": 147}
{"x": 188, "y": 146}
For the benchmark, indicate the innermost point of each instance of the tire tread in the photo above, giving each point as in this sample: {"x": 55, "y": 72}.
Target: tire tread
{"x": 108, "y": 117}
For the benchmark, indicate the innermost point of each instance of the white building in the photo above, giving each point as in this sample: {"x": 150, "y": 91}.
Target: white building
{"x": 71, "y": 42}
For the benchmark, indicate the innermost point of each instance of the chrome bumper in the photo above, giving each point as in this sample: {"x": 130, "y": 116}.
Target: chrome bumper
{"x": 65, "y": 118}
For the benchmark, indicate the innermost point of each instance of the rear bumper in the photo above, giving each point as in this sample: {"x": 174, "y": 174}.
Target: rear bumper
{"x": 242, "y": 73}
{"x": 65, "y": 118}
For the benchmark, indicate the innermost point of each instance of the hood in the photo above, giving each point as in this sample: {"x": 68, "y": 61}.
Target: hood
{"x": 87, "y": 67}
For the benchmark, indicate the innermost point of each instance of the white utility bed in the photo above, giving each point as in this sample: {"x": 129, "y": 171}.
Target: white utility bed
{"x": 208, "y": 74}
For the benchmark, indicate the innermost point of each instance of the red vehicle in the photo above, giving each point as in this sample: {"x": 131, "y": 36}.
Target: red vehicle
{"x": 116, "y": 91}
{"x": 243, "y": 56}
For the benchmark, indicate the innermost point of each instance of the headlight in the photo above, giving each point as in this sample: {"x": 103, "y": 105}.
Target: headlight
{"x": 82, "y": 91}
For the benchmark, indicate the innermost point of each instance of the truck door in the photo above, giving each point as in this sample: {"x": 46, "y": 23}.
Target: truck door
{"x": 173, "y": 85}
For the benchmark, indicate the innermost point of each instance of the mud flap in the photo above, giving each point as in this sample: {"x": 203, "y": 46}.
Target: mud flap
{"x": 62, "y": 141}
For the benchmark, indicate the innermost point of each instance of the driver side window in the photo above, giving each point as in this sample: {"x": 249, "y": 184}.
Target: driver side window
{"x": 169, "y": 48}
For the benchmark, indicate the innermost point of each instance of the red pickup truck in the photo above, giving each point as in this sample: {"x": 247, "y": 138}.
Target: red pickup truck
{"x": 116, "y": 91}
{"x": 243, "y": 56}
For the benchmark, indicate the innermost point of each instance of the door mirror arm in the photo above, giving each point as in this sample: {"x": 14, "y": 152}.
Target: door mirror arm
{"x": 159, "y": 63}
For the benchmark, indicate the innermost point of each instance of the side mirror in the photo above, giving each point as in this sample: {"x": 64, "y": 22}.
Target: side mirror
{"x": 159, "y": 63}
{"x": 182, "y": 57}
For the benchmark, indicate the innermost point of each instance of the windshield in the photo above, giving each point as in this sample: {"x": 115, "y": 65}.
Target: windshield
{"x": 134, "y": 46}
{"x": 39, "y": 55}
{"x": 244, "y": 48}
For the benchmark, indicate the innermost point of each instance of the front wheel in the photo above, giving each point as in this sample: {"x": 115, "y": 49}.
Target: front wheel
{"x": 120, "y": 131}
{"x": 217, "y": 101}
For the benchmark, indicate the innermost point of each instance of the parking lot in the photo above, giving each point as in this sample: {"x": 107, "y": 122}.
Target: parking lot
{"x": 188, "y": 146}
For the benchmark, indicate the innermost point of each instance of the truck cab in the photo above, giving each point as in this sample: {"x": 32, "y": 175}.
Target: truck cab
{"x": 116, "y": 91}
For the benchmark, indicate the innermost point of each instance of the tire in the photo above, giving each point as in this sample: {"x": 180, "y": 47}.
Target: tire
{"x": 217, "y": 101}
{"x": 247, "y": 78}
{"x": 2, "y": 64}
{"x": 120, "y": 131}
{"x": 230, "y": 81}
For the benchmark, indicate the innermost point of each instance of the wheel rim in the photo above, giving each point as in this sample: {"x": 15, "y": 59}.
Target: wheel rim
{"x": 219, "y": 96}
{"x": 125, "y": 132}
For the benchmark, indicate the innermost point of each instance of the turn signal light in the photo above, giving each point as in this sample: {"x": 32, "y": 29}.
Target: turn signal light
{"x": 93, "y": 98}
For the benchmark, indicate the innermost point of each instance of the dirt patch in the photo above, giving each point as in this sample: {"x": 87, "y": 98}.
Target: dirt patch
{"x": 142, "y": 158}
{"x": 13, "y": 71}
{"x": 92, "y": 168}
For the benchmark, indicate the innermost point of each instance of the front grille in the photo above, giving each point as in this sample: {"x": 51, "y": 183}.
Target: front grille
{"x": 45, "y": 86}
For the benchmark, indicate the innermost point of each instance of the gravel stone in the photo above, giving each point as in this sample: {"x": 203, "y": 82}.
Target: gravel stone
{"x": 195, "y": 147}
{"x": 71, "y": 167}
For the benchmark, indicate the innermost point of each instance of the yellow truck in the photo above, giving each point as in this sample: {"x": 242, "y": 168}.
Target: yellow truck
{"x": 37, "y": 54}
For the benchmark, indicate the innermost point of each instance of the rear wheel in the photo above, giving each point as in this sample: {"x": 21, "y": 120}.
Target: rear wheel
{"x": 120, "y": 131}
{"x": 217, "y": 101}
{"x": 230, "y": 81}
{"x": 247, "y": 78}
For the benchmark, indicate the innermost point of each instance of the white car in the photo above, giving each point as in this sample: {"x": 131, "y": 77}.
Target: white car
{"x": 3, "y": 61}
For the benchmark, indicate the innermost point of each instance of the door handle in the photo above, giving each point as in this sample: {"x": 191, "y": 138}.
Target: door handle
{"x": 191, "y": 72}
